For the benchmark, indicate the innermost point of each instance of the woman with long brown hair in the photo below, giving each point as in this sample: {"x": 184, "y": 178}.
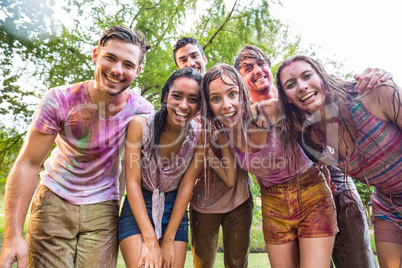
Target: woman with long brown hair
{"x": 361, "y": 134}
{"x": 163, "y": 157}
{"x": 299, "y": 221}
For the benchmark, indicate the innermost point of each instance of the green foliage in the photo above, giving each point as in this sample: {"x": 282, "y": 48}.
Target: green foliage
{"x": 48, "y": 43}
{"x": 57, "y": 52}
{"x": 224, "y": 30}
{"x": 255, "y": 192}
{"x": 9, "y": 147}
{"x": 364, "y": 191}
{"x": 372, "y": 243}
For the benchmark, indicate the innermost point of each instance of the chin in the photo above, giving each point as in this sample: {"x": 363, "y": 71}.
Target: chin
{"x": 311, "y": 109}
{"x": 229, "y": 124}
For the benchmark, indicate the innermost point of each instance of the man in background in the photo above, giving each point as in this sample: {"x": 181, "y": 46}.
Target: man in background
{"x": 215, "y": 204}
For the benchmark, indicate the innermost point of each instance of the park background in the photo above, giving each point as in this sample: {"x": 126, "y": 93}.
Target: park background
{"x": 46, "y": 43}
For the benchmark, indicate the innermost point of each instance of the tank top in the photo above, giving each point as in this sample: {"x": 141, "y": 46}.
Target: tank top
{"x": 157, "y": 178}
{"x": 377, "y": 157}
{"x": 270, "y": 164}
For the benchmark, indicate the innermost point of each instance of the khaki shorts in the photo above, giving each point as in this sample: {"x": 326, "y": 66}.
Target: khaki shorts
{"x": 64, "y": 235}
{"x": 301, "y": 207}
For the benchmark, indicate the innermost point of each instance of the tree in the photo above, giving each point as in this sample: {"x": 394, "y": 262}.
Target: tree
{"x": 48, "y": 43}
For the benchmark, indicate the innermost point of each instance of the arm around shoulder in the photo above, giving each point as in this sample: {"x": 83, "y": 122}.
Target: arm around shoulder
{"x": 369, "y": 77}
{"x": 390, "y": 96}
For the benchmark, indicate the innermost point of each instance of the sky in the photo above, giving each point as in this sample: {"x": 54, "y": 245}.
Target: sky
{"x": 358, "y": 33}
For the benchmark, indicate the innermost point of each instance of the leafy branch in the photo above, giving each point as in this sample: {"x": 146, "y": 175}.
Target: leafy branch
{"x": 221, "y": 27}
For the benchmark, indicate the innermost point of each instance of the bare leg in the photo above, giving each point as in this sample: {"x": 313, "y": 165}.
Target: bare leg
{"x": 389, "y": 254}
{"x": 316, "y": 252}
{"x": 283, "y": 256}
{"x": 131, "y": 250}
{"x": 180, "y": 249}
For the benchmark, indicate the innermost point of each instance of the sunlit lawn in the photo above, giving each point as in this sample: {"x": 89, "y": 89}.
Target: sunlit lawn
{"x": 255, "y": 260}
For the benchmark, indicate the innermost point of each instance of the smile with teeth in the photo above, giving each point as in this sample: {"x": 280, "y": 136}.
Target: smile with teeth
{"x": 229, "y": 114}
{"x": 111, "y": 79}
{"x": 307, "y": 96}
{"x": 180, "y": 114}
{"x": 260, "y": 78}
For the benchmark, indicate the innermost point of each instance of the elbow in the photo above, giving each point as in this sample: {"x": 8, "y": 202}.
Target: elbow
{"x": 230, "y": 184}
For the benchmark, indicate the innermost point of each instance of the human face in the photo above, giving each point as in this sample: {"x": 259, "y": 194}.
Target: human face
{"x": 182, "y": 101}
{"x": 191, "y": 56}
{"x": 224, "y": 101}
{"x": 117, "y": 65}
{"x": 256, "y": 75}
{"x": 303, "y": 87}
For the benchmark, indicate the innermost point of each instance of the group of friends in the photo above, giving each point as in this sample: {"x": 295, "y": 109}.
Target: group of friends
{"x": 303, "y": 139}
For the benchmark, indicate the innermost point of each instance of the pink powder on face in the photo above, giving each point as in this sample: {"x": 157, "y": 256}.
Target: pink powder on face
{"x": 322, "y": 92}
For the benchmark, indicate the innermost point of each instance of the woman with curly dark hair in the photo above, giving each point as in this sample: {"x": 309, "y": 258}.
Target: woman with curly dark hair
{"x": 163, "y": 157}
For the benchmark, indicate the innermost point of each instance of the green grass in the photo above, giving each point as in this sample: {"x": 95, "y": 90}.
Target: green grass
{"x": 256, "y": 260}
{"x": 372, "y": 242}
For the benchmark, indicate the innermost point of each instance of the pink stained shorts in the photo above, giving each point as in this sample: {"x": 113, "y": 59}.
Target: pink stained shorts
{"x": 300, "y": 207}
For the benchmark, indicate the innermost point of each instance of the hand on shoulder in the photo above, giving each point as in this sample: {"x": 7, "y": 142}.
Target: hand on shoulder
{"x": 384, "y": 101}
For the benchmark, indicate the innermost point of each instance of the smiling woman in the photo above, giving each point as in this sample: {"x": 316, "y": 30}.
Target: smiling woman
{"x": 296, "y": 201}
{"x": 163, "y": 159}
{"x": 159, "y": 150}
{"x": 364, "y": 132}
{"x": 303, "y": 86}
{"x": 182, "y": 101}
{"x": 224, "y": 100}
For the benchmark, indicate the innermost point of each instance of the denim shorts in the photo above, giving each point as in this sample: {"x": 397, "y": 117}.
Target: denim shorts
{"x": 128, "y": 225}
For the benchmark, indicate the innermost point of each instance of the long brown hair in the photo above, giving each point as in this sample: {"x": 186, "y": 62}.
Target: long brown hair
{"x": 334, "y": 87}
{"x": 160, "y": 117}
{"x": 209, "y": 123}
{"x": 335, "y": 90}
{"x": 224, "y": 71}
